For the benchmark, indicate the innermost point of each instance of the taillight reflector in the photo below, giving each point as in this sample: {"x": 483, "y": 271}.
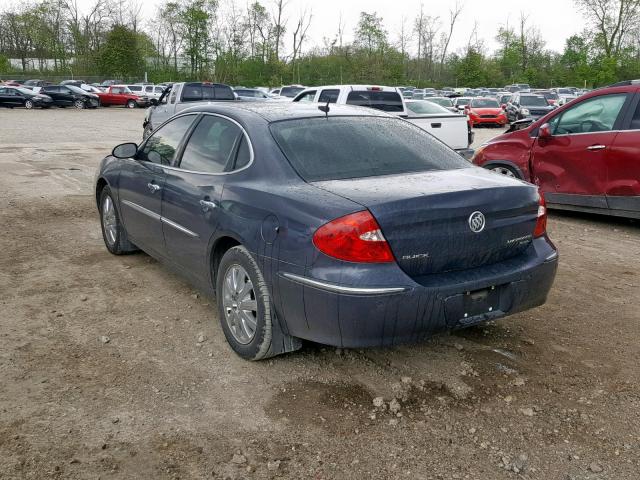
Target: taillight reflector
{"x": 541, "y": 223}
{"x": 354, "y": 238}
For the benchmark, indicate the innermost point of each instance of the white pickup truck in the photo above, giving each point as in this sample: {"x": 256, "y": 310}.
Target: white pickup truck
{"x": 183, "y": 95}
{"x": 450, "y": 128}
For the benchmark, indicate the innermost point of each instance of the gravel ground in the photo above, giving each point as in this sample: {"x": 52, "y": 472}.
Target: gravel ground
{"x": 112, "y": 367}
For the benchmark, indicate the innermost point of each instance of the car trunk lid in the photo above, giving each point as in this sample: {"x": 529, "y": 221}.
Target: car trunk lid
{"x": 426, "y": 217}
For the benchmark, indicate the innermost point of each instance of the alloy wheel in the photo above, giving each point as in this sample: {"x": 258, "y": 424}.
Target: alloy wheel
{"x": 28, "y": 104}
{"x": 240, "y": 304}
{"x": 504, "y": 171}
{"x": 109, "y": 220}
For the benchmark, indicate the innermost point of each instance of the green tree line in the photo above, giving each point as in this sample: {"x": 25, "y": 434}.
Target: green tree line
{"x": 267, "y": 44}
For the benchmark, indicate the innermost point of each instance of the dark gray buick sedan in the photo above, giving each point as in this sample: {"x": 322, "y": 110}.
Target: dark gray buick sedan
{"x": 347, "y": 227}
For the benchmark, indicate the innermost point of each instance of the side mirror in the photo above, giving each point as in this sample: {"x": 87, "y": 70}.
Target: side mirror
{"x": 545, "y": 131}
{"x": 504, "y": 106}
{"x": 153, "y": 102}
{"x": 125, "y": 150}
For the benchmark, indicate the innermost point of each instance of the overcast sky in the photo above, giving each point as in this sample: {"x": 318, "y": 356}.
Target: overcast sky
{"x": 556, "y": 19}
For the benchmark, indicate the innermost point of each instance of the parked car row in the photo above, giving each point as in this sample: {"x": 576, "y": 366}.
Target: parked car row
{"x": 69, "y": 95}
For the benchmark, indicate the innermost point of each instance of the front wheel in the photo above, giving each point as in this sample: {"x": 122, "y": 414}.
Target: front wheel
{"x": 504, "y": 170}
{"x": 246, "y": 310}
{"x": 131, "y": 104}
{"x": 79, "y": 104}
{"x": 28, "y": 104}
{"x": 113, "y": 231}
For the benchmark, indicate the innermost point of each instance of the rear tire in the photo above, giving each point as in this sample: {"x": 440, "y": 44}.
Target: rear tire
{"x": 245, "y": 309}
{"x": 113, "y": 231}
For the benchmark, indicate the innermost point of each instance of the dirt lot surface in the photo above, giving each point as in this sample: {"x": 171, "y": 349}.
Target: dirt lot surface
{"x": 112, "y": 367}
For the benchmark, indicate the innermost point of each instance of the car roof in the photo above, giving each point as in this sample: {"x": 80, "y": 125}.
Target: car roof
{"x": 276, "y": 111}
{"x": 354, "y": 87}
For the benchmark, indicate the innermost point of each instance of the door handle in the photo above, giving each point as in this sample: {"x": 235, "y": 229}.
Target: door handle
{"x": 596, "y": 147}
{"x": 207, "y": 205}
{"x": 153, "y": 187}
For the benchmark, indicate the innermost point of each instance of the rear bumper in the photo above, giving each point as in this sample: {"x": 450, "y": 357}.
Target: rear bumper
{"x": 409, "y": 311}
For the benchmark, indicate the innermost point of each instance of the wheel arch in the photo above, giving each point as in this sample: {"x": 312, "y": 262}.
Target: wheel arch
{"x": 505, "y": 163}
{"x": 100, "y": 184}
{"x": 219, "y": 247}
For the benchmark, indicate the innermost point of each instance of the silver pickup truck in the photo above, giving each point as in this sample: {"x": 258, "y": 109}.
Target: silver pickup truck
{"x": 183, "y": 95}
{"x": 450, "y": 128}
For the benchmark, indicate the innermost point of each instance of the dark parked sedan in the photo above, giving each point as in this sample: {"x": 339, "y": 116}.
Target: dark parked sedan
{"x": 11, "y": 97}
{"x": 351, "y": 228}
{"x": 71, "y": 96}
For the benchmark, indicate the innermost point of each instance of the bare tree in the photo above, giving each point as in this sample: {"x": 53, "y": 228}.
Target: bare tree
{"x": 612, "y": 20}
{"x": 278, "y": 27}
{"x": 299, "y": 35}
{"x": 453, "y": 18}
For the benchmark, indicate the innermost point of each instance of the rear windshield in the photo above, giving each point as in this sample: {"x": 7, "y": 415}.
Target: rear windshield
{"x": 385, "y": 101}
{"x": 444, "y": 102}
{"x": 533, "y": 101}
{"x": 355, "y": 147}
{"x": 463, "y": 101}
{"x": 197, "y": 92}
{"x": 484, "y": 103}
{"x": 427, "y": 108}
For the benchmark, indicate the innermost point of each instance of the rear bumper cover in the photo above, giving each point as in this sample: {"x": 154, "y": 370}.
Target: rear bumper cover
{"x": 355, "y": 316}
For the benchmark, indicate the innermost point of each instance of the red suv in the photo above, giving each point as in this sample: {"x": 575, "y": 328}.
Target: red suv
{"x": 584, "y": 155}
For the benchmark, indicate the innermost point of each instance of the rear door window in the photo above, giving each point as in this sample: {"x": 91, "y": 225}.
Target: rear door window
{"x": 243, "y": 157}
{"x": 385, "y": 101}
{"x": 211, "y": 147}
{"x": 635, "y": 121}
{"x": 329, "y": 96}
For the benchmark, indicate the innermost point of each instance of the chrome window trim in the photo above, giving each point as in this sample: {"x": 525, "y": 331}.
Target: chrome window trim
{"x": 335, "y": 288}
{"x": 141, "y": 209}
{"x": 244, "y": 132}
{"x": 587, "y": 133}
{"x": 179, "y": 227}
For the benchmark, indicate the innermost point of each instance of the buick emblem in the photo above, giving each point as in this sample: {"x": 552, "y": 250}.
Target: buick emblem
{"x": 476, "y": 222}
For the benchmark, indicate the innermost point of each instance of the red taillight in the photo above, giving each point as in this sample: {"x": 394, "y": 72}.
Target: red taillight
{"x": 354, "y": 238}
{"x": 541, "y": 223}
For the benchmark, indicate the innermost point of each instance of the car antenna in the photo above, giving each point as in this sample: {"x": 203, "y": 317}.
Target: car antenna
{"x": 325, "y": 109}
